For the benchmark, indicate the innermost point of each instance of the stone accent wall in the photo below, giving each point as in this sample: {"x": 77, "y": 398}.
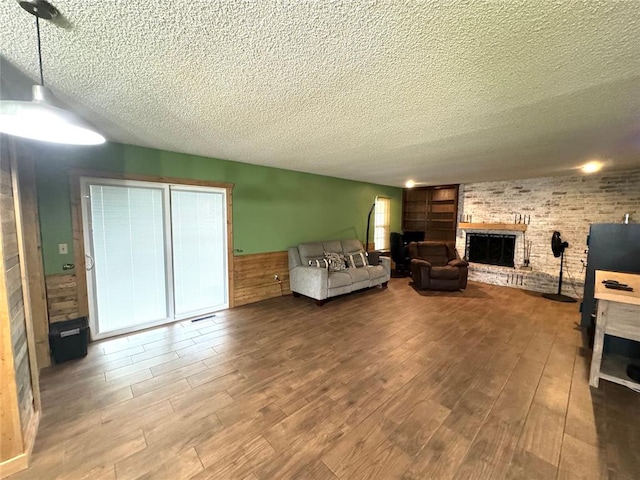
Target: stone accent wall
{"x": 567, "y": 204}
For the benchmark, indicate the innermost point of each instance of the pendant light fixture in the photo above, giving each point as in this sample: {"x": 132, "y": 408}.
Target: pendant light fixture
{"x": 39, "y": 119}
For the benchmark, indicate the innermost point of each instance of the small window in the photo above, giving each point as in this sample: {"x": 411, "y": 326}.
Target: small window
{"x": 381, "y": 221}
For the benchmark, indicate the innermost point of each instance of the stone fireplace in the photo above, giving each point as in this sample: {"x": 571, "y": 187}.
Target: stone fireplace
{"x": 568, "y": 204}
{"x": 491, "y": 249}
{"x": 495, "y": 252}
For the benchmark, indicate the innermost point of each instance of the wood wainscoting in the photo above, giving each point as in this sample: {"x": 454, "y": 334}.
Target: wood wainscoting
{"x": 62, "y": 297}
{"x": 253, "y": 277}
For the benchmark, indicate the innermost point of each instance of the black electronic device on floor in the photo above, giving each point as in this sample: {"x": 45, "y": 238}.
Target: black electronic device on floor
{"x": 69, "y": 339}
{"x": 400, "y": 251}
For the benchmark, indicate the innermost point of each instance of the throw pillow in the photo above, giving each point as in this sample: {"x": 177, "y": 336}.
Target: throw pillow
{"x": 321, "y": 263}
{"x": 336, "y": 261}
{"x": 357, "y": 260}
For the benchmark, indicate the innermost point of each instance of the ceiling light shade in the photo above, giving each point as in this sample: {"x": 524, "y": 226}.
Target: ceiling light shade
{"x": 410, "y": 184}
{"x": 39, "y": 120}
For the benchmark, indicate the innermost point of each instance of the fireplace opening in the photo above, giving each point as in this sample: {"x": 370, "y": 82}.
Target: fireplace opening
{"x": 491, "y": 249}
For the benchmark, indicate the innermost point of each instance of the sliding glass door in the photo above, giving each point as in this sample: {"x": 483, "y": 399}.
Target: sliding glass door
{"x": 199, "y": 250}
{"x": 155, "y": 253}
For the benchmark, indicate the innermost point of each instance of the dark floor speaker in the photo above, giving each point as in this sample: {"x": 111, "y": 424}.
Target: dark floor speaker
{"x": 397, "y": 248}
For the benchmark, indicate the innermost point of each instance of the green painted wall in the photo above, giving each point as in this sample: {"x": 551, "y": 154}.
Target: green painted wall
{"x": 273, "y": 208}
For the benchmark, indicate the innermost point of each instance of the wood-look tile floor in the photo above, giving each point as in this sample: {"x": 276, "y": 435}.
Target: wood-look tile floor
{"x": 489, "y": 383}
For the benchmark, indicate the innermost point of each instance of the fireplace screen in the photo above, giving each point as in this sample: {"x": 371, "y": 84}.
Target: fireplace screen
{"x": 491, "y": 249}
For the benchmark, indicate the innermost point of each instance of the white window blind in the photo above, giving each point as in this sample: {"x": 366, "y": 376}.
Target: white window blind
{"x": 199, "y": 250}
{"x": 382, "y": 219}
{"x": 129, "y": 255}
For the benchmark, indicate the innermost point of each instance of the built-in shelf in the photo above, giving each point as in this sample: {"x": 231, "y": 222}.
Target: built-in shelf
{"x": 517, "y": 227}
{"x": 614, "y": 369}
{"x": 431, "y": 210}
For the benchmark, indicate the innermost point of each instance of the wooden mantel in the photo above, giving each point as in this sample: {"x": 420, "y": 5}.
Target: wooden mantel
{"x": 518, "y": 227}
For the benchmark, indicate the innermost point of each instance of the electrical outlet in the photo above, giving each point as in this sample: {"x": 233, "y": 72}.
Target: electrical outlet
{"x": 63, "y": 249}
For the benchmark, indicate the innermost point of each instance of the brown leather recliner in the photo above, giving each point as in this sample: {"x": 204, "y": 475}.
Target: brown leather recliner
{"x": 437, "y": 266}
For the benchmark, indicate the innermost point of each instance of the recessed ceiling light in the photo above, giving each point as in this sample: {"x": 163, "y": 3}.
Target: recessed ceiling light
{"x": 410, "y": 184}
{"x": 591, "y": 167}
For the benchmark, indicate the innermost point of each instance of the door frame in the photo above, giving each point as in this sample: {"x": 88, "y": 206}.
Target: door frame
{"x": 78, "y": 223}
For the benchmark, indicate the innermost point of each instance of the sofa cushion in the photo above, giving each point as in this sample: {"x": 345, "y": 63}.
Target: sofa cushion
{"x": 310, "y": 251}
{"x": 352, "y": 245}
{"x": 336, "y": 261}
{"x": 434, "y": 253}
{"x": 334, "y": 246}
{"x": 447, "y": 272}
{"x": 376, "y": 271}
{"x": 339, "y": 279}
{"x": 358, "y": 274}
{"x": 357, "y": 260}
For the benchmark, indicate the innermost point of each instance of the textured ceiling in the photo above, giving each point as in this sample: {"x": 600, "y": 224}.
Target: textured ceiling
{"x": 381, "y": 91}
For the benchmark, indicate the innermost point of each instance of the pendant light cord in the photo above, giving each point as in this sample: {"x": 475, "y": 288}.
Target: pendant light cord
{"x": 39, "y": 51}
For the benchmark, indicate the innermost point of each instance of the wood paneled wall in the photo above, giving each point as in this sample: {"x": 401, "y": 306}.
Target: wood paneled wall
{"x": 10, "y": 428}
{"x": 253, "y": 277}
{"x": 62, "y": 297}
{"x": 14, "y": 293}
{"x": 19, "y": 393}
{"x": 32, "y": 245}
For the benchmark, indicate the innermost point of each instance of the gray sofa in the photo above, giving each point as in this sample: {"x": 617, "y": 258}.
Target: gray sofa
{"x": 320, "y": 283}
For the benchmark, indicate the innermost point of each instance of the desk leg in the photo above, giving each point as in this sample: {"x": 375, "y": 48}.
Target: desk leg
{"x": 598, "y": 342}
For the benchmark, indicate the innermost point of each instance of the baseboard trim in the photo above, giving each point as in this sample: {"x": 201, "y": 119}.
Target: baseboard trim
{"x": 32, "y": 431}
{"x": 14, "y": 465}
{"x": 21, "y": 462}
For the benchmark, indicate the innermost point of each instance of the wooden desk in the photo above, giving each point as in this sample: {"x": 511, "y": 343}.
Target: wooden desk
{"x": 618, "y": 315}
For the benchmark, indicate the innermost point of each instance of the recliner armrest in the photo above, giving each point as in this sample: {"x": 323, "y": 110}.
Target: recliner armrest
{"x": 458, "y": 262}
{"x": 420, "y": 262}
